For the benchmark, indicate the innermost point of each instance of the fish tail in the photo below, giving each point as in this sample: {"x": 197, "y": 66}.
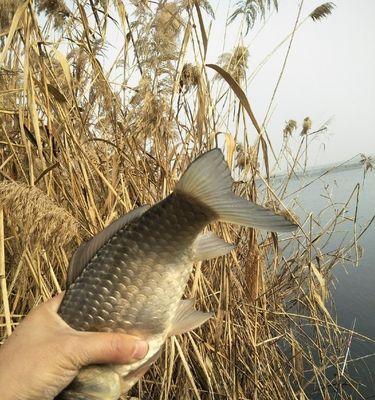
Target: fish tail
{"x": 208, "y": 180}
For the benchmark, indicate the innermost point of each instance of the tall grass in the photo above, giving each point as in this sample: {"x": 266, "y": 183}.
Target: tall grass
{"x": 83, "y": 141}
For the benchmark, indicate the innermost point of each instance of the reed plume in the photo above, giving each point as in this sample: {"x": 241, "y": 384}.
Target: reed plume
{"x": 236, "y": 63}
{"x": 306, "y": 126}
{"x": 253, "y": 9}
{"x": 35, "y": 216}
{"x": 7, "y": 11}
{"x": 322, "y": 11}
{"x": 290, "y": 126}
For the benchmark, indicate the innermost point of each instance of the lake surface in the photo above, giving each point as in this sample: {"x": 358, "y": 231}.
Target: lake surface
{"x": 353, "y": 287}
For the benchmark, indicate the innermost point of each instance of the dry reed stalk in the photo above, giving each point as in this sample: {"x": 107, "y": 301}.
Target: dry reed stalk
{"x": 4, "y": 290}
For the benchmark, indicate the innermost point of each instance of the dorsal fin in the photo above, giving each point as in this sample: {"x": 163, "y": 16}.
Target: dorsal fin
{"x": 87, "y": 250}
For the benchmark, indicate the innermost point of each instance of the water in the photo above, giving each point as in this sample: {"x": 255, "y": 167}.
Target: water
{"x": 354, "y": 287}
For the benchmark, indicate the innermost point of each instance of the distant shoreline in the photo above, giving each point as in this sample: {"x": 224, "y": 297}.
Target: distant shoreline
{"x": 324, "y": 169}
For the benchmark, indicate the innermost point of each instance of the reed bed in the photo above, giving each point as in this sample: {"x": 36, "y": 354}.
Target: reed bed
{"x": 84, "y": 140}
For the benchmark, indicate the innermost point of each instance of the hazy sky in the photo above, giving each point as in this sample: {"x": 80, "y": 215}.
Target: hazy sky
{"x": 330, "y": 72}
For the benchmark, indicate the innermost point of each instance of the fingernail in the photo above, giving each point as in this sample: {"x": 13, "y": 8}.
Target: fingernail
{"x": 140, "y": 350}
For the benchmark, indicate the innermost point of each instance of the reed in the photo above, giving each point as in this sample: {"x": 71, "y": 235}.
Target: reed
{"x": 83, "y": 141}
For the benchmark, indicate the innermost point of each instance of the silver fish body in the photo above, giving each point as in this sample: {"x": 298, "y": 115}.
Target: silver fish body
{"x": 131, "y": 277}
{"x": 136, "y": 280}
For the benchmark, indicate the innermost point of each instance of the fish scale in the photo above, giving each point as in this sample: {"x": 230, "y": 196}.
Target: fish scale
{"x": 134, "y": 263}
{"x": 131, "y": 276}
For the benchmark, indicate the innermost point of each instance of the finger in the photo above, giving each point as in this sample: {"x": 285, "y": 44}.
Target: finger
{"x": 116, "y": 348}
{"x": 55, "y": 302}
{"x": 52, "y": 304}
{"x": 49, "y": 307}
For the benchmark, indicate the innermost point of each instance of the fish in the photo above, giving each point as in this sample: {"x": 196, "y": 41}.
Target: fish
{"x": 131, "y": 276}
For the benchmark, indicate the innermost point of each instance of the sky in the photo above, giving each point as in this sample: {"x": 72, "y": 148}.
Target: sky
{"x": 329, "y": 76}
{"x": 330, "y": 73}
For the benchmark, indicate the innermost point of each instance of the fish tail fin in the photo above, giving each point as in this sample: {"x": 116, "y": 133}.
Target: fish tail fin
{"x": 208, "y": 179}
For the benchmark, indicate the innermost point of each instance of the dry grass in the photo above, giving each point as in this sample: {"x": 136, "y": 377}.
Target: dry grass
{"x": 82, "y": 142}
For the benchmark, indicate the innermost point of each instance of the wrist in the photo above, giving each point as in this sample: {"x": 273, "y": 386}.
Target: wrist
{"x": 9, "y": 389}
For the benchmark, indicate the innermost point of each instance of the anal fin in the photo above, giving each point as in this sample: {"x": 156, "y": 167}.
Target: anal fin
{"x": 187, "y": 318}
{"x": 208, "y": 245}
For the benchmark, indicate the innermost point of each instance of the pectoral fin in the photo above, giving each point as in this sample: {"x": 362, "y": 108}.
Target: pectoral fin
{"x": 187, "y": 318}
{"x": 208, "y": 245}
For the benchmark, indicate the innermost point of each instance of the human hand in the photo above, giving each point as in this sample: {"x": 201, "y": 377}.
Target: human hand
{"x": 44, "y": 354}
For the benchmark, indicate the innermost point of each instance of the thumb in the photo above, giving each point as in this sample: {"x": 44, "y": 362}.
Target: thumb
{"x": 104, "y": 348}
